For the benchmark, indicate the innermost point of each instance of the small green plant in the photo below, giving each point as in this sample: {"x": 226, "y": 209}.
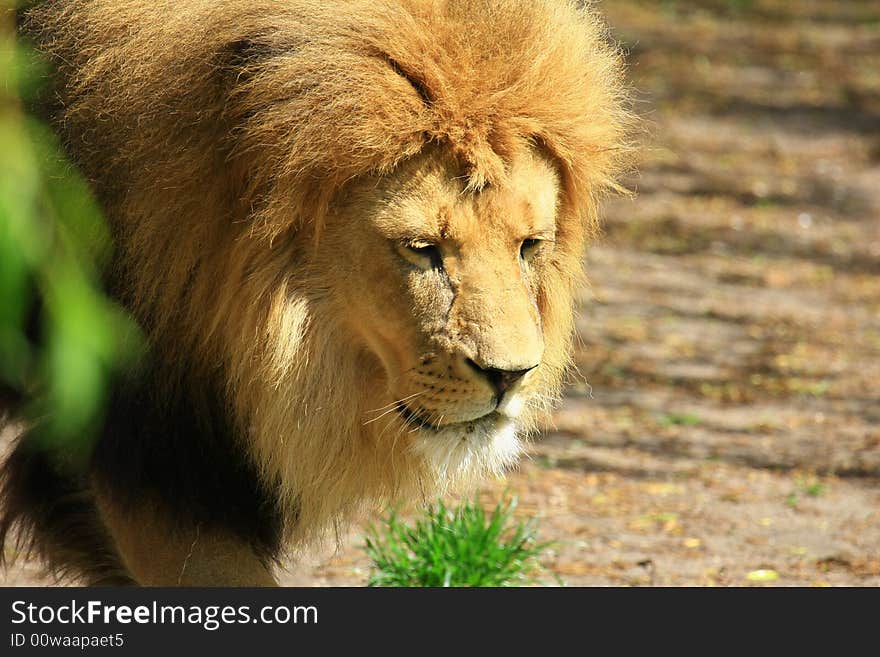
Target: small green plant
{"x": 740, "y": 5}
{"x": 680, "y": 419}
{"x": 810, "y": 487}
{"x": 461, "y": 547}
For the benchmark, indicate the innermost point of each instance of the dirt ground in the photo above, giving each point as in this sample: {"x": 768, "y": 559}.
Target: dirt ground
{"x": 727, "y": 416}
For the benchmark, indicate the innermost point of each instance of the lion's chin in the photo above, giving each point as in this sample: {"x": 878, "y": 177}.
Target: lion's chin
{"x": 468, "y": 451}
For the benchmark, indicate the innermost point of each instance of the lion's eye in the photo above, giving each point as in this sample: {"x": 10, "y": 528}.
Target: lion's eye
{"x": 423, "y": 255}
{"x": 529, "y": 248}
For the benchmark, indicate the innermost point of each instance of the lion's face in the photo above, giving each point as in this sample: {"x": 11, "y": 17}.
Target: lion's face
{"x": 442, "y": 287}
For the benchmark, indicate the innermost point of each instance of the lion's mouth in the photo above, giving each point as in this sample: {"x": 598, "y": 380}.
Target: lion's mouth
{"x": 418, "y": 420}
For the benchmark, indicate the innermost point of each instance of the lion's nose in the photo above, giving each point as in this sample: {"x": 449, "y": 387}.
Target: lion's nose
{"x": 501, "y": 380}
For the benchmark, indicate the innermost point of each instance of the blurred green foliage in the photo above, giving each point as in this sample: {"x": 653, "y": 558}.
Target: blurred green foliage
{"x": 53, "y": 245}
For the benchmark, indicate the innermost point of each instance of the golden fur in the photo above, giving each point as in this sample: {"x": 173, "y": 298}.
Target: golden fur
{"x": 253, "y": 155}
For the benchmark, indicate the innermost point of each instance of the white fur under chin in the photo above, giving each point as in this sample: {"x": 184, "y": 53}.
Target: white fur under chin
{"x": 470, "y": 451}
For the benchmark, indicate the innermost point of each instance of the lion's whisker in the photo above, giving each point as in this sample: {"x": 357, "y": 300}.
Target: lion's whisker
{"x": 398, "y": 401}
{"x": 391, "y": 407}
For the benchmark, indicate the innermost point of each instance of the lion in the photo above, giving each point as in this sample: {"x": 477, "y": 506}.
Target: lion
{"x": 352, "y": 234}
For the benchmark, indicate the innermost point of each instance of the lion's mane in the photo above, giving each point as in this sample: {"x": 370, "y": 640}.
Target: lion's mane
{"x": 215, "y": 134}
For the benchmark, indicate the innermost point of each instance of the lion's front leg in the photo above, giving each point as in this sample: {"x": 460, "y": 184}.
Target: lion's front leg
{"x": 158, "y": 554}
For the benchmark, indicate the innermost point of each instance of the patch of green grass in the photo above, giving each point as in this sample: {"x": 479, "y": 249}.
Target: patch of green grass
{"x": 740, "y": 5}
{"x": 680, "y": 419}
{"x": 812, "y": 487}
{"x": 462, "y": 547}
{"x": 815, "y": 489}
{"x": 544, "y": 461}
{"x": 802, "y": 386}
